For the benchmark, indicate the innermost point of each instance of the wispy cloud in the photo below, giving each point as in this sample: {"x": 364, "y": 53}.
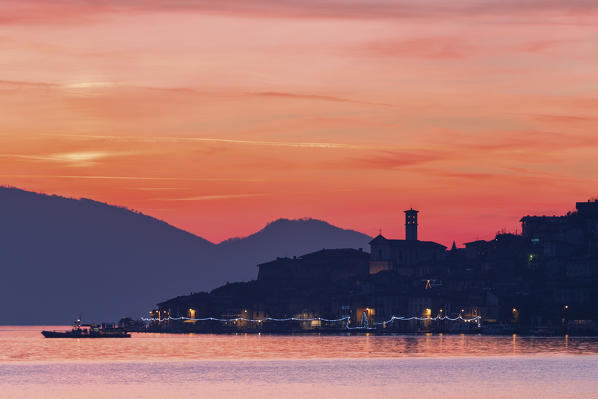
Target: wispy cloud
{"x": 159, "y": 188}
{"x": 495, "y": 174}
{"x": 460, "y": 175}
{"x": 565, "y": 119}
{"x": 531, "y": 140}
{"x": 541, "y": 46}
{"x": 87, "y": 88}
{"x": 140, "y": 178}
{"x": 88, "y": 85}
{"x": 17, "y": 83}
{"x": 398, "y": 159}
{"x": 315, "y": 97}
{"x": 76, "y": 159}
{"x": 79, "y": 12}
{"x": 174, "y": 139}
{"x": 213, "y": 197}
{"x": 438, "y": 47}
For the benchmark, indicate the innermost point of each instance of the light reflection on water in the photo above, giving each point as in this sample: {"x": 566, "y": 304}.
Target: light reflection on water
{"x": 253, "y": 366}
{"x": 27, "y": 344}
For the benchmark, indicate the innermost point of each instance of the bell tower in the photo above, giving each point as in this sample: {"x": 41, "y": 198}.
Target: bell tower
{"x": 411, "y": 225}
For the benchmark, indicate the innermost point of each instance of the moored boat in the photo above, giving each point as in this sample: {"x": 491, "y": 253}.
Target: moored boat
{"x": 88, "y": 331}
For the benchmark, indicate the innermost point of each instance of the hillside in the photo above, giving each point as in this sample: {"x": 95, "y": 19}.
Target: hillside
{"x": 285, "y": 237}
{"x": 61, "y": 257}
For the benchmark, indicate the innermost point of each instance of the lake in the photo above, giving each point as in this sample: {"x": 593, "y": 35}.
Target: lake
{"x": 268, "y": 366}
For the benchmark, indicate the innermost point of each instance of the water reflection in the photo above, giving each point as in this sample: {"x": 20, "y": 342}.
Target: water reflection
{"x": 27, "y": 344}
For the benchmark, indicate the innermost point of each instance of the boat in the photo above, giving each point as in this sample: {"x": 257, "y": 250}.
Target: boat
{"x": 89, "y": 331}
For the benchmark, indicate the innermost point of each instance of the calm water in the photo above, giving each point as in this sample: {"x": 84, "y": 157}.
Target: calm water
{"x": 253, "y": 366}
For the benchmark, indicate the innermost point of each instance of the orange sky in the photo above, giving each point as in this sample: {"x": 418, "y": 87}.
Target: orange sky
{"x": 219, "y": 116}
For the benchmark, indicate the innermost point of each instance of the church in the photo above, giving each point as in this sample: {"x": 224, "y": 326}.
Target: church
{"x": 409, "y": 257}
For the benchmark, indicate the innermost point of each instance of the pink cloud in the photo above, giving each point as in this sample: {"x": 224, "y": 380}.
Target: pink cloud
{"x": 315, "y": 97}
{"x": 538, "y": 142}
{"x": 565, "y": 119}
{"x": 74, "y": 11}
{"x": 20, "y": 84}
{"x": 422, "y": 47}
{"x": 398, "y": 159}
{"x": 541, "y": 46}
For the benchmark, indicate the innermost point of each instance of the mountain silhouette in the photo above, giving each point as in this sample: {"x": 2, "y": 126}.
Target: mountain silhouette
{"x": 63, "y": 257}
{"x": 285, "y": 237}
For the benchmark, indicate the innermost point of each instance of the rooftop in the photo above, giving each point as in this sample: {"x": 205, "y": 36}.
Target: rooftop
{"x": 321, "y": 254}
{"x": 407, "y": 243}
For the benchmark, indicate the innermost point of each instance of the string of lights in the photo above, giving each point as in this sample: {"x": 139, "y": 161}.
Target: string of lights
{"x": 403, "y": 318}
{"x": 344, "y": 318}
{"x": 244, "y": 319}
{"x": 393, "y": 318}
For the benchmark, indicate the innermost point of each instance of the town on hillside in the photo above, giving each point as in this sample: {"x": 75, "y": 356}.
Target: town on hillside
{"x": 542, "y": 281}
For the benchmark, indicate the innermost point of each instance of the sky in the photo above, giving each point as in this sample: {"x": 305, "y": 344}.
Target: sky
{"x": 220, "y": 116}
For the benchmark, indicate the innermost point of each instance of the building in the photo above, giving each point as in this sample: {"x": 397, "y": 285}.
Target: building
{"x": 574, "y": 234}
{"x": 545, "y": 277}
{"x": 326, "y": 265}
{"x": 409, "y": 257}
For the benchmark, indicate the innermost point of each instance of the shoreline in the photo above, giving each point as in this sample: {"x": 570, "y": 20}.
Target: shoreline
{"x": 371, "y": 333}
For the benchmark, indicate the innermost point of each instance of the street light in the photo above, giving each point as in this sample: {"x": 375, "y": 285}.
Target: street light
{"x": 515, "y": 315}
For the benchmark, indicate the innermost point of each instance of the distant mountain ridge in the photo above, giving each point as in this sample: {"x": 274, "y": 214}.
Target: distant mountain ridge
{"x": 61, "y": 257}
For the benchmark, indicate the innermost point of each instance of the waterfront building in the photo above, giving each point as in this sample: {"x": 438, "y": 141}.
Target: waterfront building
{"x": 545, "y": 277}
